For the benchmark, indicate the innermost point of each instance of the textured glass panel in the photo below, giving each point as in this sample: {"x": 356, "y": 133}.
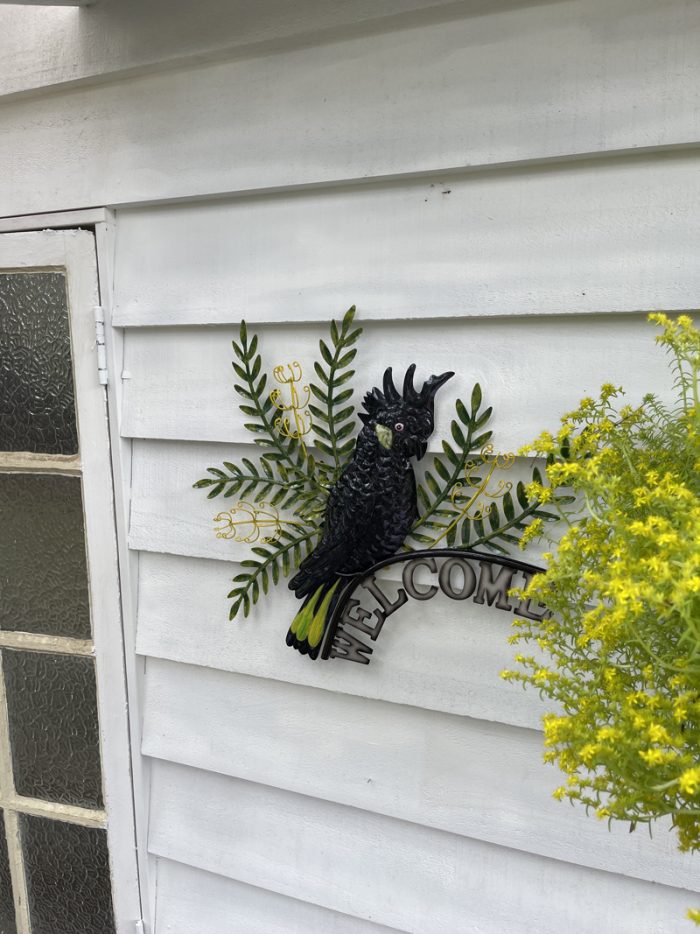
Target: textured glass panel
{"x": 67, "y": 877}
{"x": 37, "y": 411}
{"x": 52, "y": 707}
{"x": 7, "y": 908}
{"x": 43, "y": 577}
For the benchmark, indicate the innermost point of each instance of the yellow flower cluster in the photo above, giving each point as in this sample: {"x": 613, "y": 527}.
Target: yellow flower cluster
{"x": 620, "y": 655}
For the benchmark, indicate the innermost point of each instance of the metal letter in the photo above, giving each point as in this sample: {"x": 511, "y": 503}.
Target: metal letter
{"x": 346, "y": 646}
{"x": 409, "y": 584}
{"x": 386, "y": 607}
{"x": 446, "y": 579}
{"x": 357, "y": 621}
{"x": 494, "y": 588}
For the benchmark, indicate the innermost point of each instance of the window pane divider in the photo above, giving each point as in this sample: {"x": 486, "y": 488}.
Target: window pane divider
{"x": 23, "y": 462}
{"x": 34, "y": 642}
{"x": 86, "y": 817}
{"x": 12, "y": 830}
{"x": 17, "y": 873}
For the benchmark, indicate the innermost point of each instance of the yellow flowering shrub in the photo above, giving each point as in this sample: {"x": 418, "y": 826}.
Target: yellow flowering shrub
{"x": 620, "y": 654}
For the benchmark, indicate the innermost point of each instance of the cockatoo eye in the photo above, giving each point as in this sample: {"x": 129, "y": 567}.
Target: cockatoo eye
{"x": 399, "y": 426}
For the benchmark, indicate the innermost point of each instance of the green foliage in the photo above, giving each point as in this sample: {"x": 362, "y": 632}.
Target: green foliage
{"x": 510, "y": 521}
{"x": 286, "y": 475}
{"x": 434, "y": 492}
{"x": 450, "y": 492}
{"x": 252, "y": 480}
{"x": 334, "y": 417}
{"x": 620, "y": 656}
{"x": 257, "y": 405}
{"x": 272, "y": 561}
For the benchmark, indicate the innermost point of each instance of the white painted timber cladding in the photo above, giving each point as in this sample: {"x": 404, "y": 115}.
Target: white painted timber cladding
{"x": 390, "y": 871}
{"x": 118, "y": 37}
{"x": 416, "y": 765}
{"x": 194, "y": 902}
{"x": 470, "y": 176}
{"x": 447, "y": 662}
{"x": 519, "y": 81}
{"x": 522, "y": 365}
{"x": 621, "y": 235}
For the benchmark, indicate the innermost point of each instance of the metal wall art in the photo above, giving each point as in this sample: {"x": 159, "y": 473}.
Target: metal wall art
{"x": 460, "y": 574}
{"x": 331, "y": 508}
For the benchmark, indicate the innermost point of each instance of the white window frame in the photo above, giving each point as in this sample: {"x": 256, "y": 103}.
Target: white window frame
{"x": 111, "y": 598}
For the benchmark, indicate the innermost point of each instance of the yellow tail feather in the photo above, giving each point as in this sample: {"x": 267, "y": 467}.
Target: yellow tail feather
{"x": 302, "y": 621}
{"x": 318, "y": 623}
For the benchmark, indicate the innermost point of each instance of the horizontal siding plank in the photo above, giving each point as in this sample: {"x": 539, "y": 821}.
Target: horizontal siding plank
{"x": 448, "y": 662}
{"x": 617, "y": 235}
{"x": 531, "y": 370}
{"x": 453, "y": 773}
{"x": 391, "y": 872}
{"x": 520, "y": 82}
{"x": 190, "y": 901}
{"x": 45, "y": 51}
{"x": 163, "y": 474}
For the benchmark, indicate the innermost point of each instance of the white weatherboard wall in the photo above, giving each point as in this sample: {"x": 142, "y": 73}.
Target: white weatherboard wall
{"x": 503, "y": 189}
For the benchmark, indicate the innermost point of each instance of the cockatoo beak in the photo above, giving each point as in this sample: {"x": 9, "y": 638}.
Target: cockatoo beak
{"x": 422, "y": 448}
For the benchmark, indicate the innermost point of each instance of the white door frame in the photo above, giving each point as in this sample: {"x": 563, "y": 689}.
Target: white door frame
{"x": 43, "y": 241}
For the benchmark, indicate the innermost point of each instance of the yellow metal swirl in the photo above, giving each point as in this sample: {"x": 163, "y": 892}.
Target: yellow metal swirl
{"x": 475, "y": 506}
{"x": 295, "y": 420}
{"x": 246, "y": 523}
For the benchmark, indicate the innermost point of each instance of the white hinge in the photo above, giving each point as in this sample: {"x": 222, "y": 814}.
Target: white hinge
{"x": 102, "y": 374}
{"x": 139, "y": 927}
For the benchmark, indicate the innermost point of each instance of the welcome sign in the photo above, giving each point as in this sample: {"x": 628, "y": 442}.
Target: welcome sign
{"x": 364, "y": 607}
{"x": 335, "y": 496}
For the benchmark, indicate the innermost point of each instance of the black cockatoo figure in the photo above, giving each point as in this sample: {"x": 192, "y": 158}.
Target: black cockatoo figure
{"x": 373, "y": 505}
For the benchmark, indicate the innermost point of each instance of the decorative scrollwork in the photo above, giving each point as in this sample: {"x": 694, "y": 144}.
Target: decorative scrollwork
{"x": 256, "y": 518}
{"x": 465, "y": 497}
{"x": 297, "y": 423}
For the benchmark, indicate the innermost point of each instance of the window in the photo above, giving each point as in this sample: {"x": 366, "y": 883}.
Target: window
{"x": 67, "y": 858}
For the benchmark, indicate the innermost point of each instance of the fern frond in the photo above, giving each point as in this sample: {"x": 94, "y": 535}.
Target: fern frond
{"x": 273, "y": 561}
{"x": 256, "y": 481}
{"x": 509, "y": 521}
{"x": 258, "y": 405}
{"x": 334, "y": 421}
{"x": 434, "y": 492}
{"x": 443, "y": 521}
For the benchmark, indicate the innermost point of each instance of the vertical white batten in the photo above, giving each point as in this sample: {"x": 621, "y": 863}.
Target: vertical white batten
{"x": 121, "y": 453}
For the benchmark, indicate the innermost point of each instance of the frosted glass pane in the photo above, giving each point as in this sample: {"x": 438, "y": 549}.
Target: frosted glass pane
{"x": 43, "y": 576}
{"x": 7, "y": 908}
{"x": 52, "y": 709}
{"x": 37, "y": 410}
{"x": 67, "y": 877}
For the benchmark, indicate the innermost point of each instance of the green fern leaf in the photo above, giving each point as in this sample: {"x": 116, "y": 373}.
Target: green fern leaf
{"x": 267, "y": 563}
{"x": 476, "y": 398}
{"x": 332, "y": 426}
{"x": 450, "y": 466}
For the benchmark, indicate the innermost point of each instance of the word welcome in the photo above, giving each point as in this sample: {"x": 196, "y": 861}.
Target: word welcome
{"x": 485, "y": 581}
